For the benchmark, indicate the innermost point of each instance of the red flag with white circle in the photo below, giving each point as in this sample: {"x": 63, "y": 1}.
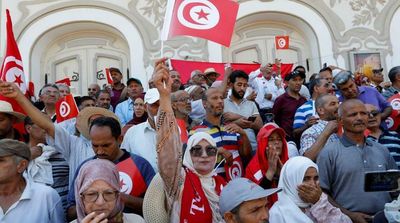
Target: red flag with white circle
{"x": 393, "y": 121}
{"x": 282, "y": 42}
{"x": 66, "y": 108}
{"x": 209, "y": 19}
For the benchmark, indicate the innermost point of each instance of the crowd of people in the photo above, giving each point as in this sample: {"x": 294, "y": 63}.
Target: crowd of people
{"x": 257, "y": 147}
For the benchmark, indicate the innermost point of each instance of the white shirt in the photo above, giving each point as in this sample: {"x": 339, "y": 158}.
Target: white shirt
{"x": 141, "y": 140}
{"x": 38, "y": 203}
{"x": 124, "y": 111}
{"x": 74, "y": 149}
{"x": 263, "y": 86}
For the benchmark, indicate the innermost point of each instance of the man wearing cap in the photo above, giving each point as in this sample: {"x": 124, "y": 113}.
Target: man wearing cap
{"x": 117, "y": 86}
{"x": 211, "y": 76}
{"x": 394, "y": 77}
{"x": 242, "y": 200}
{"x": 285, "y": 106}
{"x": 141, "y": 139}
{"x": 198, "y": 78}
{"x": 8, "y": 117}
{"x": 22, "y": 200}
{"x": 124, "y": 110}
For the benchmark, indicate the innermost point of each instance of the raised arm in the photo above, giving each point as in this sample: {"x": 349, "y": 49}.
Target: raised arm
{"x": 10, "y": 90}
{"x": 169, "y": 146}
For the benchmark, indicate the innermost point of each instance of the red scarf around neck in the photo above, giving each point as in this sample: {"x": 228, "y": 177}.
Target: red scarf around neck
{"x": 195, "y": 206}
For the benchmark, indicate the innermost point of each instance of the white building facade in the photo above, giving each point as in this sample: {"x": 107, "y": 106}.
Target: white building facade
{"x": 78, "y": 39}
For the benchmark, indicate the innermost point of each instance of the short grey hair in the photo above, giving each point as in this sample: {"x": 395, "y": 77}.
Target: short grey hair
{"x": 342, "y": 77}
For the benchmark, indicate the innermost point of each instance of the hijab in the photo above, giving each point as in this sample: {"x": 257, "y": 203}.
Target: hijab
{"x": 97, "y": 169}
{"x": 207, "y": 181}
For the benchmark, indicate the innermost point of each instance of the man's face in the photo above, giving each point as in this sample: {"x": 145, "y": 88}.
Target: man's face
{"x": 64, "y": 90}
{"x": 6, "y": 124}
{"x": 37, "y": 133}
{"x": 9, "y": 169}
{"x": 254, "y": 211}
{"x": 152, "y": 109}
{"x": 104, "y": 145}
{"x": 87, "y": 103}
{"x": 182, "y": 103}
{"x": 103, "y": 101}
{"x": 374, "y": 116}
{"x": 354, "y": 118}
{"x": 377, "y": 76}
{"x": 326, "y": 75}
{"x": 134, "y": 90}
{"x": 50, "y": 95}
{"x": 92, "y": 90}
{"x": 349, "y": 89}
{"x": 239, "y": 88}
{"x": 266, "y": 71}
{"x": 116, "y": 77}
{"x": 199, "y": 79}
{"x": 214, "y": 104}
{"x": 330, "y": 108}
{"x": 211, "y": 77}
{"x": 176, "y": 80}
{"x": 325, "y": 87}
{"x": 294, "y": 84}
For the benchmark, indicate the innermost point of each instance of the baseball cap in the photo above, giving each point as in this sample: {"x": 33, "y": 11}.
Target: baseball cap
{"x": 151, "y": 96}
{"x": 294, "y": 74}
{"x": 240, "y": 190}
{"x": 10, "y": 147}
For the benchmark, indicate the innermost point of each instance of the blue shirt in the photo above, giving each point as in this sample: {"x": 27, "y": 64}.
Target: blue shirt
{"x": 124, "y": 111}
{"x": 303, "y": 113}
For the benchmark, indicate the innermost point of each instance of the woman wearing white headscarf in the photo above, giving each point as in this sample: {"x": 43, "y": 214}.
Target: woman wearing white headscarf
{"x": 192, "y": 190}
{"x": 301, "y": 199}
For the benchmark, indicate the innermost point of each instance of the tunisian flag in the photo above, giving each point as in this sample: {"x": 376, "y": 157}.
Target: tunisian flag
{"x": 66, "y": 81}
{"x": 185, "y": 67}
{"x": 108, "y": 74}
{"x": 282, "y": 42}
{"x": 393, "y": 121}
{"x": 66, "y": 108}
{"x": 209, "y": 19}
{"x": 12, "y": 69}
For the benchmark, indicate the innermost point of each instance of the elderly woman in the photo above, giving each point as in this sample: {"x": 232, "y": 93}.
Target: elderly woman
{"x": 192, "y": 190}
{"x": 97, "y": 194}
{"x": 272, "y": 152}
{"x": 301, "y": 199}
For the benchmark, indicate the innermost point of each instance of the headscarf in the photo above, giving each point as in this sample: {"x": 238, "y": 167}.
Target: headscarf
{"x": 289, "y": 202}
{"x": 98, "y": 169}
{"x": 207, "y": 181}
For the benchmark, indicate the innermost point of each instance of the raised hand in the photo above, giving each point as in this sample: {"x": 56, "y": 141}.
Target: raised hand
{"x": 9, "y": 90}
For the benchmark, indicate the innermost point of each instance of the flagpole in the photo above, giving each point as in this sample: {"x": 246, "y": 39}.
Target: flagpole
{"x": 276, "y": 49}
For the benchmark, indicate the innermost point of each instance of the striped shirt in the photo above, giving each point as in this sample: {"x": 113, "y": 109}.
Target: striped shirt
{"x": 60, "y": 170}
{"x": 310, "y": 136}
{"x": 391, "y": 140}
{"x": 303, "y": 113}
{"x": 229, "y": 141}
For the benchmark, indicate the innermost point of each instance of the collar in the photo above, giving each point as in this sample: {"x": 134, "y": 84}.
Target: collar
{"x": 28, "y": 192}
{"x": 361, "y": 90}
{"x": 147, "y": 126}
{"x": 348, "y": 142}
{"x": 243, "y": 100}
{"x": 209, "y": 125}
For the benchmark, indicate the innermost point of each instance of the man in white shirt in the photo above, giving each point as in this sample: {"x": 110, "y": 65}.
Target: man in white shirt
{"x": 268, "y": 88}
{"x": 141, "y": 139}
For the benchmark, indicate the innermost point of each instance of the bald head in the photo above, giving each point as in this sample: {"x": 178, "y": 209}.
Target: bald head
{"x": 346, "y": 105}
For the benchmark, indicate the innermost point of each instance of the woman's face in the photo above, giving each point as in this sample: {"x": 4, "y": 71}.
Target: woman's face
{"x": 138, "y": 107}
{"x": 106, "y": 198}
{"x": 275, "y": 142}
{"x": 203, "y": 157}
{"x": 311, "y": 176}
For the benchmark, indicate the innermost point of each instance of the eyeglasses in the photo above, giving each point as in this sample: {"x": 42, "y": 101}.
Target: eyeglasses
{"x": 108, "y": 195}
{"x": 197, "y": 150}
{"x": 186, "y": 100}
{"x": 373, "y": 113}
{"x": 48, "y": 92}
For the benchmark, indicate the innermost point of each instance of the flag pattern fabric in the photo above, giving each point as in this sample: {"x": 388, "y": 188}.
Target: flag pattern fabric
{"x": 282, "y": 42}
{"x": 108, "y": 75}
{"x": 66, "y": 108}
{"x": 208, "y": 19}
{"x": 66, "y": 81}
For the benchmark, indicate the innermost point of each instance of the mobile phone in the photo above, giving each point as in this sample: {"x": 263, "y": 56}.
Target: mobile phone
{"x": 251, "y": 118}
{"x": 169, "y": 65}
{"x": 382, "y": 181}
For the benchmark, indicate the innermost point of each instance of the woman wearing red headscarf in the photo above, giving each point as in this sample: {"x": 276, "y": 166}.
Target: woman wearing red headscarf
{"x": 271, "y": 154}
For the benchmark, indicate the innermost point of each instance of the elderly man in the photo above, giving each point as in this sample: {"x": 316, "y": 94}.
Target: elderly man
{"x": 211, "y": 75}
{"x": 394, "y": 77}
{"x": 181, "y": 104}
{"x": 103, "y": 100}
{"x": 8, "y": 117}
{"x": 49, "y": 95}
{"x": 349, "y": 158}
{"x": 314, "y": 138}
{"x": 93, "y": 89}
{"x": 242, "y": 200}
{"x": 232, "y": 141}
{"x": 389, "y": 139}
{"x": 124, "y": 110}
{"x": 64, "y": 89}
{"x": 141, "y": 139}
{"x": 369, "y": 95}
{"x": 22, "y": 200}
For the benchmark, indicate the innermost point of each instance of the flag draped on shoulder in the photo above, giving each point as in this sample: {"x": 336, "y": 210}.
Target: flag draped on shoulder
{"x": 66, "y": 108}
{"x": 209, "y": 19}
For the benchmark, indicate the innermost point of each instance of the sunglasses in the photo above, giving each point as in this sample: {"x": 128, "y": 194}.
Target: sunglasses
{"x": 197, "y": 150}
{"x": 373, "y": 113}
